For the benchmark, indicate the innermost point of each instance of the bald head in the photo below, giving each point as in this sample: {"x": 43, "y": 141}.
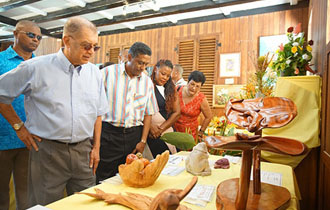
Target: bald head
{"x": 76, "y": 24}
{"x": 24, "y": 24}
{"x": 27, "y": 37}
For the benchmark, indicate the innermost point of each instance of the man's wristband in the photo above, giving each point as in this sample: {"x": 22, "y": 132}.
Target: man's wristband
{"x": 144, "y": 141}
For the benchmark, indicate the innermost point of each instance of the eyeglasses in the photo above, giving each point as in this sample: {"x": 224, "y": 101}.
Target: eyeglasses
{"x": 32, "y": 35}
{"x": 88, "y": 46}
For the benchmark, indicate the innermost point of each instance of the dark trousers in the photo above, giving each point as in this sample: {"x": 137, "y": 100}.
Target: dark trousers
{"x": 57, "y": 166}
{"x": 116, "y": 144}
{"x": 157, "y": 146}
{"x": 14, "y": 161}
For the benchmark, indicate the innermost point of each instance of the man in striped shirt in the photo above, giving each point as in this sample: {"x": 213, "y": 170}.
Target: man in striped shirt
{"x": 132, "y": 101}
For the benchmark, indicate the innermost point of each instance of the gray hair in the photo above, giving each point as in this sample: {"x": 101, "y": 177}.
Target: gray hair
{"x": 179, "y": 68}
{"x": 75, "y": 24}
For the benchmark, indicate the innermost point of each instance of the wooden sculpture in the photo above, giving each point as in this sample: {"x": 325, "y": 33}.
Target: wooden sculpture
{"x": 165, "y": 200}
{"x": 135, "y": 175}
{"x": 254, "y": 115}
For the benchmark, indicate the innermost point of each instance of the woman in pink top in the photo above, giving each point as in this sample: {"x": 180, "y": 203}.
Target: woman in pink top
{"x": 192, "y": 103}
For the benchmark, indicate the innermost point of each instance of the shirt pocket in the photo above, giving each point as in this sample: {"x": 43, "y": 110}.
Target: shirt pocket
{"x": 89, "y": 103}
{"x": 139, "y": 102}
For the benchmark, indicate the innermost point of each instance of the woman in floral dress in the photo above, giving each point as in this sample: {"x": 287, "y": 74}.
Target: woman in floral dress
{"x": 192, "y": 103}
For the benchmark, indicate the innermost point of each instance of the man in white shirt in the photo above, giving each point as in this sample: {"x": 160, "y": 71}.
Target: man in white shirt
{"x": 177, "y": 75}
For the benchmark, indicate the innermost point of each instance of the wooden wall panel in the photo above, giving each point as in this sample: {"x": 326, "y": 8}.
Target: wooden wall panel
{"x": 239, "y": 34}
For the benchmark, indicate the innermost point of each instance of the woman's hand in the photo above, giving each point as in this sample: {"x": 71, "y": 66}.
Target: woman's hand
{"x": 155, "y": 131}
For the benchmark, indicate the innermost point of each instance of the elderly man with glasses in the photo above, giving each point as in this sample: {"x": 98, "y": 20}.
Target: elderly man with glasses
{"x": 14, "y": 155}
{"x": 64, "y": 102}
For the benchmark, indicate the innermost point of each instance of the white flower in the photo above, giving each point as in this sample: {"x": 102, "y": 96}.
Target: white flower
{"x": 305, "y": 56}
{"x": 301, "y": 34}
{"x": 288, "y": 62}
{"x": 295, "y": 44}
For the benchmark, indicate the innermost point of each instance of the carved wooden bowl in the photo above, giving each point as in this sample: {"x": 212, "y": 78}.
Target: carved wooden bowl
{"x": 135, "y": 175}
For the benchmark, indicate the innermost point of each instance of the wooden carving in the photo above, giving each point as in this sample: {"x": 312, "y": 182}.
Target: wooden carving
{"x": 259, "y": 113}
{"x": 165, "y": 200}
{"x": 135, "y": 175}
{"x": 254, "y": 115}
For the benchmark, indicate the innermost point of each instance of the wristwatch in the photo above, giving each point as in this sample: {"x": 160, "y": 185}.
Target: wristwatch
{"x": 143, "y": 141}
{"x": 18, "y": 126}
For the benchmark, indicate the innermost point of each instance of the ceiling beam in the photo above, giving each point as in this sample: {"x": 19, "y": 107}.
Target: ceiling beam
{"x": 283, "y": 7}
{"x": 15, "y": 3}
{"x": 12, "y": 22}
{"x": 77, "y": 10}
{"x": 177, "y": 9}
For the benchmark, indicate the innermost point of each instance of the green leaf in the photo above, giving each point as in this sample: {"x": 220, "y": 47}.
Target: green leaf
{"x": 231, "y": 132}
{"x": 182, "y": 141}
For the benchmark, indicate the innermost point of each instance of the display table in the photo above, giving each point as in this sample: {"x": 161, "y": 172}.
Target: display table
{"x": 83, "y": 202}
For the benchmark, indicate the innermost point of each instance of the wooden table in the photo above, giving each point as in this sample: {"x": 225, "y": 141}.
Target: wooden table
{"x": 83, "y": 202}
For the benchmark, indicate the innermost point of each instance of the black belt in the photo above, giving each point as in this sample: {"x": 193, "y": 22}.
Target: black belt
{"x": 122, "y": 129}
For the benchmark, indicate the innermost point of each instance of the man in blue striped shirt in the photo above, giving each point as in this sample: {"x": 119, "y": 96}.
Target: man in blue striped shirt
{"x": 64, "y": 102}
{"x": 132, "y": 101}
{"x": 14, "y": 155}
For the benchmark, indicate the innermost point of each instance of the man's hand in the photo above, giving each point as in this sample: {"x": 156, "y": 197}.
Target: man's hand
{"x": 139, "y": 147}
{"x": 94, "y": 158}
{"x": 27, "y": 138}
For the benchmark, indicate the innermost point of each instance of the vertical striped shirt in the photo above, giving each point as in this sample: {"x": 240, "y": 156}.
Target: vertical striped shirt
{"x": 130, "y": 99}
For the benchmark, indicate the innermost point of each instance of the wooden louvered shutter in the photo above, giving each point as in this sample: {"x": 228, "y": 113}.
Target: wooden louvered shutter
{"x": 206, "y": 63}
{"x": 186, "y": 57}
{"x": 114, "y": 53}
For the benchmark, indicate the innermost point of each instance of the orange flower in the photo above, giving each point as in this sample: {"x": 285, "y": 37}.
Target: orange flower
{"x": 297, "y": 29}
{"x": 296, "y": 71}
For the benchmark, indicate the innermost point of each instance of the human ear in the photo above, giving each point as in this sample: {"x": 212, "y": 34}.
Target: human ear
{"x": 66, "y": 41}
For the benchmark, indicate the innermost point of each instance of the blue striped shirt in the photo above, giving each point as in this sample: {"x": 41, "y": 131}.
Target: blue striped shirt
{"x": 61, "y": 101}
{"x": 130, "y": 99}
{"x": 9, "y": 60}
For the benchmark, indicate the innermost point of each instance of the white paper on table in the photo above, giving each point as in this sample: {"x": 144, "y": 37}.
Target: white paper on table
{"x": 269, "y": 177}
{"x": 172, "y": 170}
{"x": 200, "y": 195}
{"x": 38, "y": 207}
{"x": 233, "y": 159}
{"x": 115, "y": 180}
{"x": 176, "y": 159}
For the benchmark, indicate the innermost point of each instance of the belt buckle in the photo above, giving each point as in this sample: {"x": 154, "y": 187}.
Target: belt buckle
{"x": 125, "y": 130}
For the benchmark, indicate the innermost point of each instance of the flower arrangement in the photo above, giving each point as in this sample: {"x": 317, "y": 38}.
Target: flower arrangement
{"x": 262, "y": 82}
{"x": 221, "y": 126}
{"x": 293, "y": 58}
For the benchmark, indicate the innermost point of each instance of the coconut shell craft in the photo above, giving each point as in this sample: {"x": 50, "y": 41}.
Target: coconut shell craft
{"x": 136, "y": 174}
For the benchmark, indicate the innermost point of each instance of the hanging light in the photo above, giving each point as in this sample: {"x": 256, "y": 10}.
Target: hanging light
{"x": 140, "y": 8}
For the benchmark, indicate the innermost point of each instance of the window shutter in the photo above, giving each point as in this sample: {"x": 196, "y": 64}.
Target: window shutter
{"x": 114, "y": 53}
{"x": 186, "y": 57}
{"x": 206, "y": 63}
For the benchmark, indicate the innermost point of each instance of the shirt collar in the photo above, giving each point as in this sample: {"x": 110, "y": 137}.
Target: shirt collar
{"x": 65, "y": 63}
{"x": 123, "y": 69}
{"x": 11, "y": 53}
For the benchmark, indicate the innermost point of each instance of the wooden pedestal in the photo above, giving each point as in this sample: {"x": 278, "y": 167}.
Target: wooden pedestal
{"x": 271, "y": 197}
